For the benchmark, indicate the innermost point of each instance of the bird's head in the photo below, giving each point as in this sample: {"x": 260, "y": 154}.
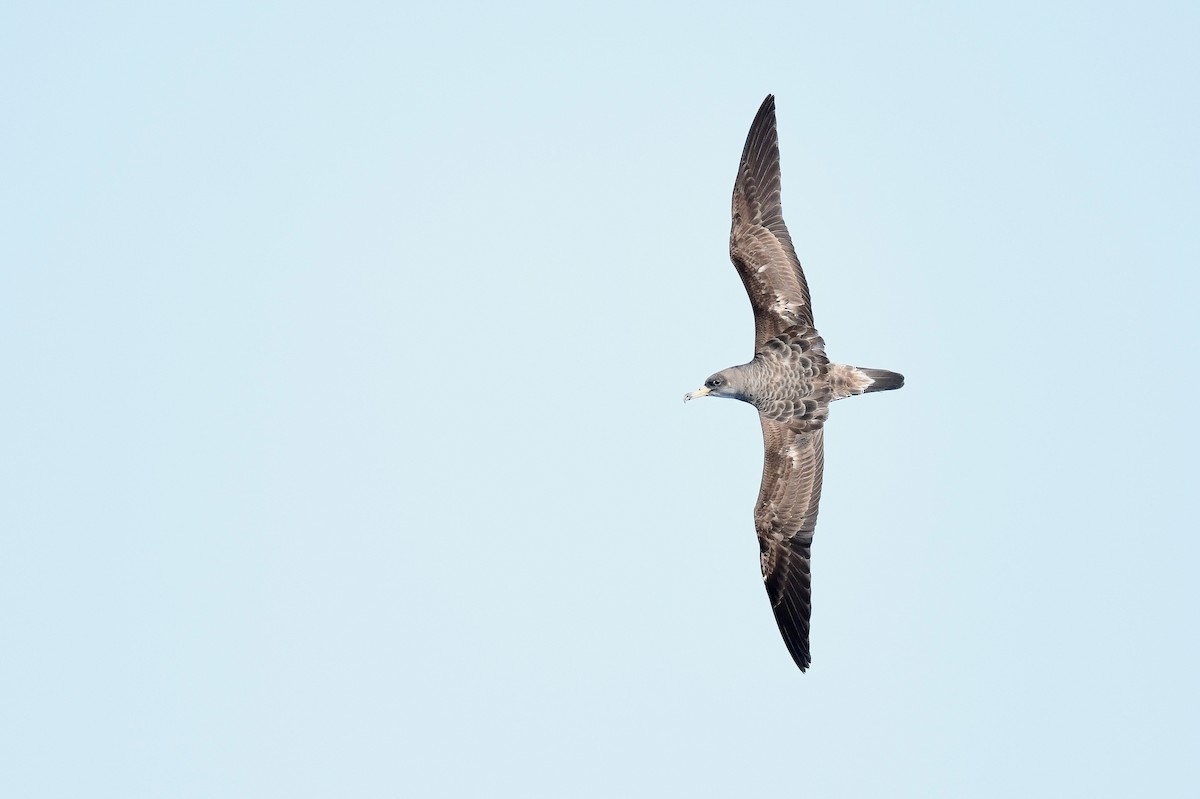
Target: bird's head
{"x": 726, "y": 383}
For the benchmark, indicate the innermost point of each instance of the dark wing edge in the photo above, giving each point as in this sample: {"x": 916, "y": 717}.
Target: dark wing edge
{"x": 785, "y": 518}
{"x": 759, "y": 243}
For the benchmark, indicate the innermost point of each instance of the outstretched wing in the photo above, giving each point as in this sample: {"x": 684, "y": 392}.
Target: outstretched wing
{"x": 785, "y": 518}
{"x": 759, "y": 243}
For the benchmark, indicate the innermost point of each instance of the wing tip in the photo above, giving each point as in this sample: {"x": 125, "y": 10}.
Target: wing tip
{"x": 766, "y": 111}
{"x": 799, "y": 651}
{"x": 792, "y": 612}
{"x": 763, "y": 127}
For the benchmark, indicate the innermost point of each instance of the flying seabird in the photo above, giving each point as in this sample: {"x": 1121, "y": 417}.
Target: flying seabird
{"x": 790, "y": 381}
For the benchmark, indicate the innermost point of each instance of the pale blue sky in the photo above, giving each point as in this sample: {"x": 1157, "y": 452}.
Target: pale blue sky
{"x": 346, "y": 345}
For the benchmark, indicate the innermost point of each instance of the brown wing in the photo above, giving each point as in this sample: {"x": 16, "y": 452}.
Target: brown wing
{"x": 785, "y": 518}
{"x": 759, "y": 243}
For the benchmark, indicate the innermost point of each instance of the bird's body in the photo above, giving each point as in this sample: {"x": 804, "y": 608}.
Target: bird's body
{"x": 790, "y": 381}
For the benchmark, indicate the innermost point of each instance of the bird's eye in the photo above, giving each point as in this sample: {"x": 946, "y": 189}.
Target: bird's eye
{"x": 716, "y": 381}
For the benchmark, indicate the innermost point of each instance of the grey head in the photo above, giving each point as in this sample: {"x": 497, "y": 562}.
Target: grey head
{"x": 732, "y": 383}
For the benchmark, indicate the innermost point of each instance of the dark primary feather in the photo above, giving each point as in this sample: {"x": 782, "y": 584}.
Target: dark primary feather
{"x": 759, "y": 243}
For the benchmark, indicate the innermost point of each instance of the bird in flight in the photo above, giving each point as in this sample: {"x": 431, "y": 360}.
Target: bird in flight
{"x": 790, "y": 381}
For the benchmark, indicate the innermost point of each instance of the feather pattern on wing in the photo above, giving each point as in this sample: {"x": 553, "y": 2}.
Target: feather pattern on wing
{"x": 759, "y": 243}
{"x": 785, "y": 518}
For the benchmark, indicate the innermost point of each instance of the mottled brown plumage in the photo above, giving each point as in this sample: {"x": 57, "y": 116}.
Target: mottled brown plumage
{"x": 790, "y": 381}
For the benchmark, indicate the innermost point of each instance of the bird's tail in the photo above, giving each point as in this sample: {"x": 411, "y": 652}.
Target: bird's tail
{"x": 882, "y": 379}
